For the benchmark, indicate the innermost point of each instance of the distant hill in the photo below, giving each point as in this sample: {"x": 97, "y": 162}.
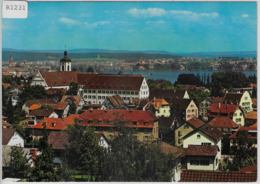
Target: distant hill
{"x": 251, "y": 54}
{"x": 40, "y": 55}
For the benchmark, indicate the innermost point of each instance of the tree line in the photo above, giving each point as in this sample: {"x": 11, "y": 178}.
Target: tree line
{"x": 126, "y": 159}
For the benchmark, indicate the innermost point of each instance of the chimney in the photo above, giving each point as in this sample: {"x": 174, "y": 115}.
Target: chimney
{"x": 219, "y": 105}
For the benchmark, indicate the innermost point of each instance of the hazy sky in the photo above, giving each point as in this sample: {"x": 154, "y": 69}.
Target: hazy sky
{"x": 170, "y": 26}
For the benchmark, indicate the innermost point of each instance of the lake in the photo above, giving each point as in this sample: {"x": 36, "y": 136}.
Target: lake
{"x": 173, "y": 75}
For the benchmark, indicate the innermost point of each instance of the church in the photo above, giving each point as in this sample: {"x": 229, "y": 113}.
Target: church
{"x": 94, "y": 88}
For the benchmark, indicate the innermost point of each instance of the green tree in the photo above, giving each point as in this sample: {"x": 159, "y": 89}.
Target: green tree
{"x": 9, "y": 112}
{"x": 19, "y": 166}
{"x": 31, "y": 92}
{"x": 131, "y": 160}
{"x": 245, "y": 153}
{"x": 198, "y": 96}
{"x": 44, "y": 169}
{"x": 73, "y": 108}
{"x": 73, "y": 89}
{"x": 83, "y": 152}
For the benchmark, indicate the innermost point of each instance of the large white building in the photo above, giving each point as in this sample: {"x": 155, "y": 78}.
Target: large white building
{"x": 94, "y": 88}
{"x": 98, "y": 86}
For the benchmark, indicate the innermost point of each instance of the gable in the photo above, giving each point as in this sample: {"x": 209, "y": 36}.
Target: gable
{"x": 192, "y": 139}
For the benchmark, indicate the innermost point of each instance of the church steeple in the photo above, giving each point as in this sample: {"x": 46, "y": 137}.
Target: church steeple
{"x": 65, "y": 62}
{"x": 11, "y": 60}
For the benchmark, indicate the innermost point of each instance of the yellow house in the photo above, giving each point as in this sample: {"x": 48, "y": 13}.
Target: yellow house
{"x": 159, "y": 107}
{"x": 203, "y": 148}
{"x": 242, "y": 99}
{"x": 186, "y": 128}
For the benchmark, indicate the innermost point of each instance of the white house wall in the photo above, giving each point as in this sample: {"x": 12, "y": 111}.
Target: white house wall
{"x": 16, "y": 140}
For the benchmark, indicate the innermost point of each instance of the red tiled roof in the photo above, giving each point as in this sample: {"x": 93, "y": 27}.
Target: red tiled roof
{"x": 5, "y": 124}
{"x": 3, "y": 117}
{"x": 222, "y": 122}
{"x": 254, "y": 125}
{"x": 211, "y": 132}
{"x": 201, "y": 150}
{"x": 251, "y": 168}
{"x": 51, "y": 124}
{"x": 181, "y": 103}
{"x": 71, "y": 119}
{"x": 110, "y": 81}
{"x": 251, "y": 115}
{"x": 58, "y": 140}
{"x": 6, "y": 84}
{"x": 168, "y": 149}
{"x": 7, "y": 133}
{"x": 56, "y": 91}
{"x": 233, "y": 98}
{"x": 41, "y": 112}
{"x": 223, "y": 108}
{"x": 34, "y": 106}
{"x": 216, "y": 99}
{"x": 195, "y": 122}
{"x": 217, "y": 176}
{"x": 61, "y": 106}
{"x": 115, "y": 116}
{"x": 249, "y": 136}
{"x": 60, "y": 78}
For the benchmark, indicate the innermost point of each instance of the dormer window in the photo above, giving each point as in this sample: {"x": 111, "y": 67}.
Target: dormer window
{"x": 135, "y": 123}
{"x": 110, "y": 122}
{"x": 145, "y": 123}
{"x": 53, "y": 124}
{"x": 100, "y": 122}
{"x": 90, "y": 122}
{"x": 80, "y": 121}
{"x": 44, "y": 124}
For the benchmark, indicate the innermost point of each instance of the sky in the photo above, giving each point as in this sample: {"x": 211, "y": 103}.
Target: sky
{"x": 178, "y": 27}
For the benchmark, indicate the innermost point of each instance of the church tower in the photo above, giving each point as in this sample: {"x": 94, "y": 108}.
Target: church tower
{"x": 11, "y": 61}
{"x": 65, "y": 63}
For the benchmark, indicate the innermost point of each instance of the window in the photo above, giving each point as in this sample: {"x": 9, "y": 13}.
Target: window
{"x": 216, "y": 161}
{"x": 132, "y": 93}
{"x": 240, "y": 113}
{"x": 246, "y": 98}
{"x": 136, "y": 93}
{"x": 186, "y": 126}
{"x": 93, "y": 97}
{"x": 90, "y": 122}
{"x": 99, "y": 97}
{"x": 192, "y": 110}
{"x": 107, "y": 91}
{"x": 89, "y": 90}
{"x": 100, "y": 122}
{"x": 192, "y": 106}
{"x": 110, "y": 122}
{"x": 134, "y": 123}
{"x": 145, "y": 138}
{"x": 179, "y": 141}
{"x": 103, "y": 91}
{"x": 188, "y": 111}
{"x": 204, "y": 162}
{"x": 119, "y": 92}
{"x": 238, "y": 120}
{"x": 235, "y": 114}
{"x": 198, "y": 136}
{"x": 80, "y": 121}
{"x": 194, "y": 162}
{"x": 111, "y": 92}
{"x": 206, "y": 143}
{"x": 94, "y": 91}
{"x": 145, "y": 123}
